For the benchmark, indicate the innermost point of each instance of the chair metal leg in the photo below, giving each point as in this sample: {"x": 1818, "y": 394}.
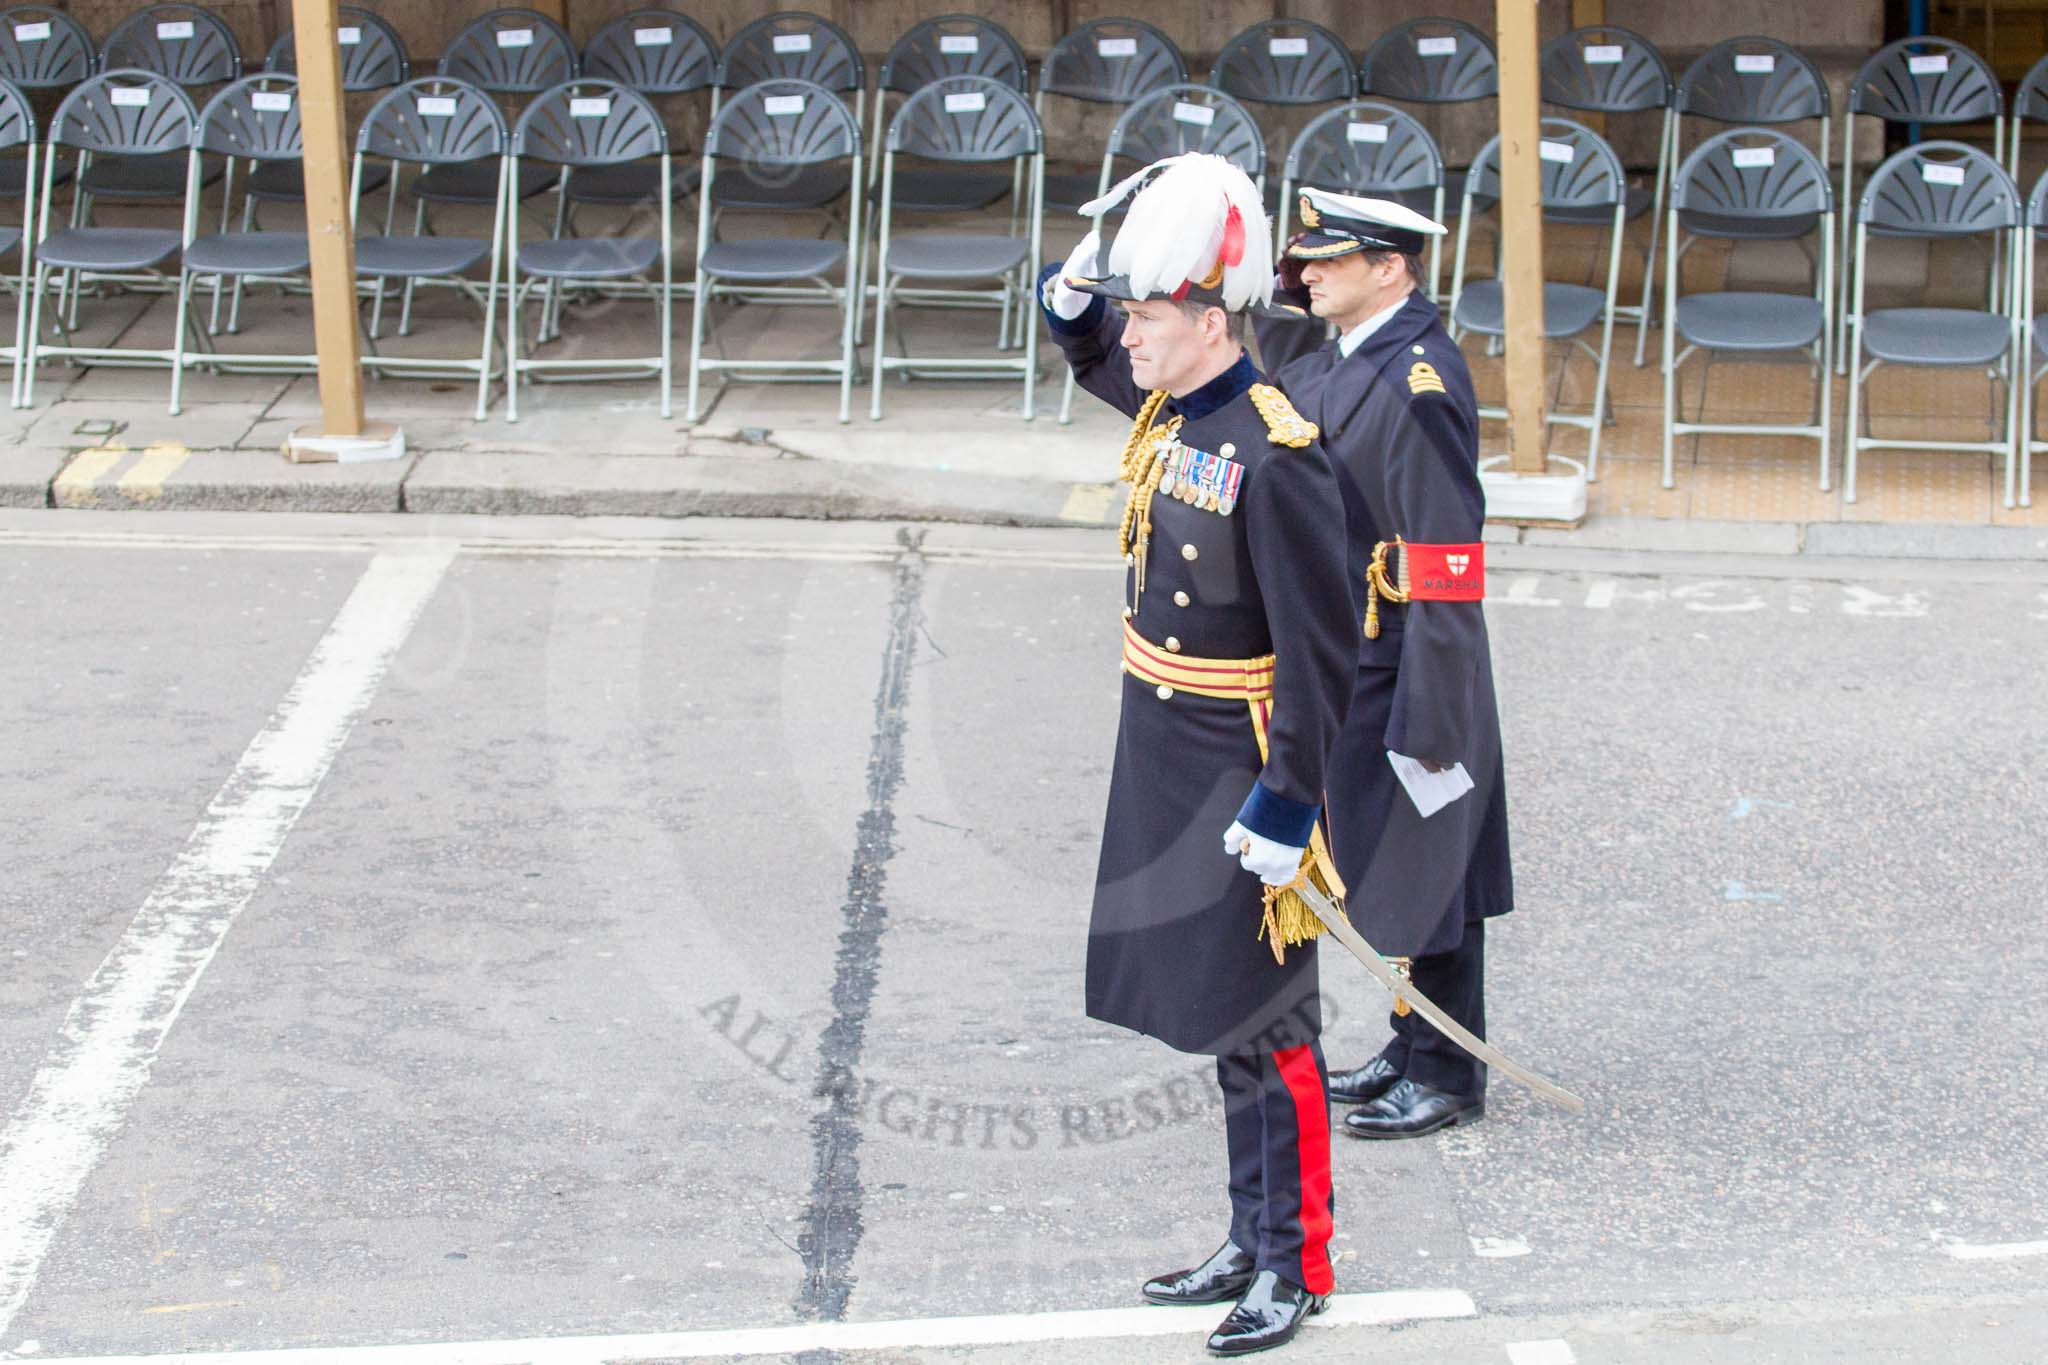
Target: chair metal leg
{"x": 27, "y": 364}
{"x": 185, "y": 279}
{"x": 881, "y": 342}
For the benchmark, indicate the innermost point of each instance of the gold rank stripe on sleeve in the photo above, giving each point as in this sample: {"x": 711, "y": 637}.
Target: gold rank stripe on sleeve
{"x": 1423, "y": 378}
{"x": 1284, "y": 426}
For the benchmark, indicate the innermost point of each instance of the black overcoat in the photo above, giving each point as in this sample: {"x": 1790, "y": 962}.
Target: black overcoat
{"x": 1406, "y": 450}
{"x": 1173, "y": 947}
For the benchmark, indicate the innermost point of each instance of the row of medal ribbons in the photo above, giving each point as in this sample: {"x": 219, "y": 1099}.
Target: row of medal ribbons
{"x": 1201, "y": 479}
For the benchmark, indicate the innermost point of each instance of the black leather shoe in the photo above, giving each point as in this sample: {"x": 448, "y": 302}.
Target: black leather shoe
{"x": 1268, "y": 1315}
{"x": 1221, "y": 1278}
{"x": 1410, "y": 1110}
{"x": 1363, "y": 1084}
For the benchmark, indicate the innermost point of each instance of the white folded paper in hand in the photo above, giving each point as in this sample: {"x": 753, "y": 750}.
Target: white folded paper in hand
{"x": 1430, "y": 792}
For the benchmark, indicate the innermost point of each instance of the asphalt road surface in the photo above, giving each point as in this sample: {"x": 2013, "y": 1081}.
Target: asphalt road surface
{"x": 542, "y": 941}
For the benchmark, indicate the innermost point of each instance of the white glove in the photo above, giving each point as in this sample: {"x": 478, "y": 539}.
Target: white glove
{"x": 1276, "y": 864}
{"x": 1066, "y": 303}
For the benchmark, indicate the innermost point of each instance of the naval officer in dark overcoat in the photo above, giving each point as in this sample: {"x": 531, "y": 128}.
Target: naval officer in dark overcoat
{"x": 1394, "y": 401}
{"x": 1239, "y": 651}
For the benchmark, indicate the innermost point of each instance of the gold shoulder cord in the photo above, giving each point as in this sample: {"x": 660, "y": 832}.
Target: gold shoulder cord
{"x": 1141, "y": 465}
{"x": 1378, "y": 585}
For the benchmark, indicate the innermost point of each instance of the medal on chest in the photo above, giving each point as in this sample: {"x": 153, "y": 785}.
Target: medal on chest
{"x": 1202, "y": 479}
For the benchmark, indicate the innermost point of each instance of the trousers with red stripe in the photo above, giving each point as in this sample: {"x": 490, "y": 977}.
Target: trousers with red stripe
{"x": 1276, "y": 1118}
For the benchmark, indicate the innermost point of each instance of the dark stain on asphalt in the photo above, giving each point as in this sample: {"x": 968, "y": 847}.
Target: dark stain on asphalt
{"x": 831, "y": 1229}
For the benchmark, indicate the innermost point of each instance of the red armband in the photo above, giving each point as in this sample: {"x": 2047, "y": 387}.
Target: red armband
{"x": 1444, "y": 573}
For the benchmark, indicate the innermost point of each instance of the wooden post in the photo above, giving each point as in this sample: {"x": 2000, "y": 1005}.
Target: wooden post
{"x": 1521, "y": 244}
{"x": 327, "y": 217}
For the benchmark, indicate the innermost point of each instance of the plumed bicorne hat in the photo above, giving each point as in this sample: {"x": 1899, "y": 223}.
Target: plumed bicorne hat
{"x": 1194, "y": 231}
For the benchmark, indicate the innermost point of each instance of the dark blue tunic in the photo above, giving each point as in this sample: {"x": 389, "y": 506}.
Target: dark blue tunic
{"x": 1173, "y": 947}
{"x": 1407, "y": 458}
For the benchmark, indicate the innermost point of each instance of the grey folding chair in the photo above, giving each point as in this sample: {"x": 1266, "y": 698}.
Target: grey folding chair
{"x": 799, "y": 47}
{"x": 1171, "y": 120}
{"x": 188, "y": 45}
{"x": 1929, "y": 81}
{"x": 1935, "y": 189}
{"x": 505, "y": 52}
{"x": 1581, "y": 172}
{"x": 578, "y": 124}
{"x": 433, "y": 121}
{"x": 1287, "y": 63}
{"x": 2029, "y": 105}
{"x": 656, "y": 53}
{"x": 1433, "y": 62}
{"x": 118, "y": 113}
{"x": 254, "y": 119}
{"x": 964, "y": 120}
{"x": 782, "y": 127}
{"x": 1757, "y": 183}
{"x": 1365, "y": 147}
{"x": 18, "y": 129}
{"x": 1608, "y": 70}
{"x": 1749, "y": 82}
{"x": 41, "y": 48}
{"x": 2032, "y": 345}
{"x": 951, "y": 45}
{"x": 1104, "y": 61}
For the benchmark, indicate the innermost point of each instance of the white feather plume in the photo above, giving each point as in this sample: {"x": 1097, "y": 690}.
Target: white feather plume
{"x": 1175, "y": 230}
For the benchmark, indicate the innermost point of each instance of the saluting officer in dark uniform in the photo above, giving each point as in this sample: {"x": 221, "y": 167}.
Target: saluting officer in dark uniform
{"x": 1394, "y": 400}
{"x": 1239, "y": 649}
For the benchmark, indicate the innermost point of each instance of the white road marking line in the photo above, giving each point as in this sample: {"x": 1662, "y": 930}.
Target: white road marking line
{"x": 1498, "y": 1248}
{"x": 1555, "y": 1351}
{"x": 1345, "y": 1310}
{"x": 109, "y": 1041}
{"x": 1996, "y": 1251}
{"x": 1522, "y": 592}
{"x": 1600, "y": 594}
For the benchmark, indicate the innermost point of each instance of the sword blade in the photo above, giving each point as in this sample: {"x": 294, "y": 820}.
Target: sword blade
{"x": 1334, "y": 920}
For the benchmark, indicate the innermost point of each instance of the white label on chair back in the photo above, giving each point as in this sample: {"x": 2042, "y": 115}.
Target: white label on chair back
{"x": 782, "y": 104}
{"x": 590, "y": 106}
{"x": 1116, "y": 47}
{"x": 1557, "y": 151}
{"x": 31, "y": 33}
{"x": 792, "y": 42}
{"x": 1603, "y": 54}
{"x": 515, "y": 37}
{"x": 1436, "y": 47}
{"x": 1934, "y": 173}
{"x": 1365, "y": 132}
{"x": 1200, "y": 114}
{"x": 174, "y": 28}
{"x": 1750, "y": 158}
{"x": 958, "y": 44}
{"x": 129, "y": 96}
{"x": 1933, "y": 64}
{"x": 966, "y": 102}
{"x": 1287, "y": 47}
{"x": 653, "y": 37}
{"x": 1755, "y": 63}
{"x": 348, "y": 37}
{"x": 271, "y": 101}
{"x": 435, "y": 106}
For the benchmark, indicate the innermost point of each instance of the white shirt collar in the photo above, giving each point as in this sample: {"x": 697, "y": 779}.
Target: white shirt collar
{"x": 1356, "y": 337}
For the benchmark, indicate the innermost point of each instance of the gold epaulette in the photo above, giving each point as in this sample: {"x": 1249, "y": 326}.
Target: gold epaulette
{"x": 1284, "y": 426}
{"x": 1423, "y": 378}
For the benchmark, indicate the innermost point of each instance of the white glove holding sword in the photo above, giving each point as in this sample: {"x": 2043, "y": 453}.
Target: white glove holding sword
{"x": 1275, "y": 863}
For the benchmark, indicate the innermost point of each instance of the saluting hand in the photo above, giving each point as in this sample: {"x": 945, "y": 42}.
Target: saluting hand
{"x": 1071, "y": 303}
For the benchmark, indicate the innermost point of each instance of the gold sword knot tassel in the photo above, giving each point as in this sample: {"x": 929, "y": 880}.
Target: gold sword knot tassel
{"x": 1378, "y": 584}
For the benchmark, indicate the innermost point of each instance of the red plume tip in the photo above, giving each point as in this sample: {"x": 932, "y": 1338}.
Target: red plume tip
{"x": 1233, "y": 238}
